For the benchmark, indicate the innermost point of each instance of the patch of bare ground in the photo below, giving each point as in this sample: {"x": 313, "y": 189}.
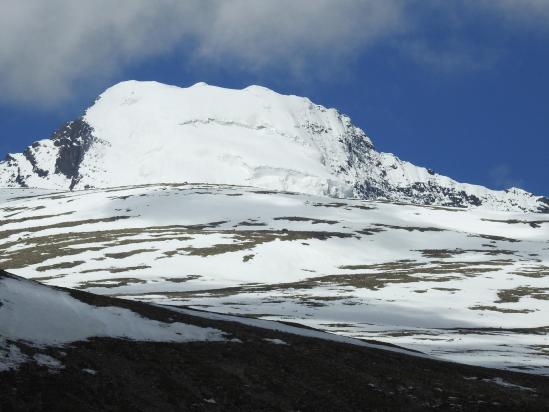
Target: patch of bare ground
{"x": 110, "y": 283}
{"x": 369, "y": 231}
{"x": 122, "y": 255}
{"x": 20, "y": 209}
{"x": 450, "y": 253}
{"x": 531, "y": 223}
{"x": 514, "y": 295}
{"x": 541, "y": 330}
{"x": 7, "y": 233}
{"x": 247, "y": 258}
{"x": 25, "y": 252}
{"x": 4, "y": 222}
{"x": 501, "y": 310}
{"x": 251, "y": 222}
{"x": 410, "y": 228}
{"x": 407, "y": 268}
{"x": 497, "y": 238}
{"x": 62, "y": 265}
{"x": 535, "y": 271}
{"x": 307, "y": 219}
{"x": 47, "y": 278}
{"x": 331, "y": 204}
{"x": 363, "y": 207}
{"x": 116, "y": 269}
{"x": 247, "y": 240}
{"x": 182, "y": 279}
{"x": 447, "y": 289}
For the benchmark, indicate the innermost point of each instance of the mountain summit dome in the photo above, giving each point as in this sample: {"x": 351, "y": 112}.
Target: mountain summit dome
{"x": 148, "y": 132}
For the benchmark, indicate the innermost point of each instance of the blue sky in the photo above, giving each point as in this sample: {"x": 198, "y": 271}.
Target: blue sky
{"x": 461, "y": 87}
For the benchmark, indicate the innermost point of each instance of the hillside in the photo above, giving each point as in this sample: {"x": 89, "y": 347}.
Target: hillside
{"x": 465, "y": 285}
{"x": 218, "y": 363}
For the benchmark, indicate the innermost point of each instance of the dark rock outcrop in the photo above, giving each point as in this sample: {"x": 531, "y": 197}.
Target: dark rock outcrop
{"x": 73, "y": 140}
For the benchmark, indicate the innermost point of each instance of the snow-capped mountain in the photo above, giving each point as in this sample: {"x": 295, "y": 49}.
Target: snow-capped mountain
{"x": 147, "y": 132}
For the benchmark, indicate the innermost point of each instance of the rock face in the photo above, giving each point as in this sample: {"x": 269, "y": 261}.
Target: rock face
{"x": 147, "y": 132}
{"x": 50, "y": 163}
{"x": 73, "y": 141}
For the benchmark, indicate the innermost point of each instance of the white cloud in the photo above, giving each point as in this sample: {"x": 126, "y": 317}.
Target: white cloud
{"x": 51, "y": 49}
{"x": 259, "y": 33}
{"x": 48, "y": 47}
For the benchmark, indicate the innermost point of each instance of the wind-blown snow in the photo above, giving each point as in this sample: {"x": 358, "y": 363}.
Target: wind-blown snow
{"x": 147, "y": 132}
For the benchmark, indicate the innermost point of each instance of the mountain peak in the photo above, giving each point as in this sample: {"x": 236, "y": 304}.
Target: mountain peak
{"x": 148, "y": 132}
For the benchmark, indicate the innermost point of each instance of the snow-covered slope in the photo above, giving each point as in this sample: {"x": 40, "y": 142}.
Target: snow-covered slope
{"x": 465, "y": 285}
{"x": 39, "y": 316}
{"x": 147, "y": 132}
